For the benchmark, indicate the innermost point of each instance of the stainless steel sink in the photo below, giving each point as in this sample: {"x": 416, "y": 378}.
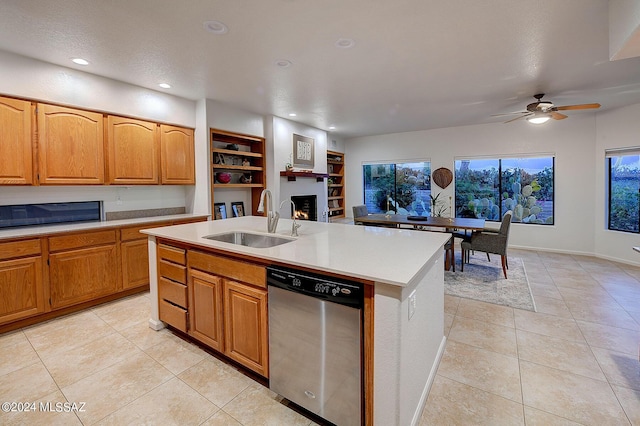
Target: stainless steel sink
{"x": 249, "y": 239}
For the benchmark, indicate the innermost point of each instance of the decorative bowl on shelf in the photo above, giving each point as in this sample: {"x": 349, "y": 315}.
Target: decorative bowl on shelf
{"x": 223, "y": 177}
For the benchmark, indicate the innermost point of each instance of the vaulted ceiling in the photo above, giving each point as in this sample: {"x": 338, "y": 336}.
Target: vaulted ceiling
{"x": 412, "y": 65}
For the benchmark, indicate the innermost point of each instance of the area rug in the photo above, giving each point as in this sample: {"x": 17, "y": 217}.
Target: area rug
{"x": 483, "y": 280}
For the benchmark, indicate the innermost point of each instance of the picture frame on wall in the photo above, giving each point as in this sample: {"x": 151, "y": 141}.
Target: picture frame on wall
{"x": 237, "y": 208}
{"x": 219, "y": 211}
{"x": 303, "y": 151}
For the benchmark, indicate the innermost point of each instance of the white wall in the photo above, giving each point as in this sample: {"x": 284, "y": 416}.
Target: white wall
{"x": 224, "y": 117}
{"x": 280, "y": 148}
{"x": 41, "y": 81}
{"x": 619, "y": 128}
{"x": 572, "y": 141}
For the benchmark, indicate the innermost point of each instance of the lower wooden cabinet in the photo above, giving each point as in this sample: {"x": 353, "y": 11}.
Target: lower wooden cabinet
{"x": 80, "y": 275}
{"x": 21, "y": 288}
{"x": 205, "y": 309}
{"x": 246, "y": 327}
{"x": 135, "y": 263}
{"x": 228, "y": 308}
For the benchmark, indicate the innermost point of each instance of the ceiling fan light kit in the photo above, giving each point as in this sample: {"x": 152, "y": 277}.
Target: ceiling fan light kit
{"x": 539, "y": 118}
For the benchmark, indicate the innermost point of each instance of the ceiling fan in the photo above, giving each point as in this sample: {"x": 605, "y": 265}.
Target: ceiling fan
{"x": 541, "y": 111}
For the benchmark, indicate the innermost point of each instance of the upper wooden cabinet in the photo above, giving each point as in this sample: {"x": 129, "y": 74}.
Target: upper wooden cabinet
{"x": 16, "y": 161}
{"x": 132, "y": 151}
{"x": 177, "y": 155}
{"x": 71, "y": 146}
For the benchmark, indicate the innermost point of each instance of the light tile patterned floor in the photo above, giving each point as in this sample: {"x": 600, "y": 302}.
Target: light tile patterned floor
{"x": 575, "y": 361}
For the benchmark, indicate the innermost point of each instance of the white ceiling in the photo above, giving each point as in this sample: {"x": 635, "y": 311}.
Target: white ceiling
{"x": 416, "y": 64}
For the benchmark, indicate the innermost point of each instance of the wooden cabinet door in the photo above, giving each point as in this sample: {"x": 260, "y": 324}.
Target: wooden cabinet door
{"x": 205, "y": 309}
{"x": 21, "y": 288}
{"x": 177, "y": 155}
{"x": 246, "y": 328}
{"x": 132, "y": 151}
{"x": 16, "y": 161}
{"x": 80, "y": 275}
{"x": 135, "y": 263}
{"x": 70, "y": 146}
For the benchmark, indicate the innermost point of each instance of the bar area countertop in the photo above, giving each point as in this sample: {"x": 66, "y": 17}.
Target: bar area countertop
{"x": 44, "y": 230}
{"x": 385, "y": 255}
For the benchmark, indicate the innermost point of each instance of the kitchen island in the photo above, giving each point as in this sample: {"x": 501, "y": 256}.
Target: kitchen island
{"x": 402, "y": 271}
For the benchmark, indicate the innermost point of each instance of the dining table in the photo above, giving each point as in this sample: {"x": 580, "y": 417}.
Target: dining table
{"x": 398, "y": 220}
{"x": 449, "y": 224}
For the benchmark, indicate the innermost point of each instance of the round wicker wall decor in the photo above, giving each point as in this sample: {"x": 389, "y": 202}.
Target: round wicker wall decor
{"x": 442, "y": 177}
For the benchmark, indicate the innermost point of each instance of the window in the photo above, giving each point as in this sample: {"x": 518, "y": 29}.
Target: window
{"x": 624, "y": 187}
{"x": 402, "y": 188}
{"x": 488, "y": 188}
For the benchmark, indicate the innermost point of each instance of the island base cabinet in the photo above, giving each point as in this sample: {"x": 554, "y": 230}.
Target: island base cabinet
{"x": 21, "y": 288}
{"x": 245, "y": 324}
{"x": 205, "y": 313}
{"x": 81, "y": 275}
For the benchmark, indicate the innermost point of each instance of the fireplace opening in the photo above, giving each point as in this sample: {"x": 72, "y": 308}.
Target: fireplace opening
{"x": 306, "y": 207}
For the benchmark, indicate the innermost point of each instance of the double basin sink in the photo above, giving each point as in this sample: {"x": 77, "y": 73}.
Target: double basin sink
{"x": 249, "y": 239}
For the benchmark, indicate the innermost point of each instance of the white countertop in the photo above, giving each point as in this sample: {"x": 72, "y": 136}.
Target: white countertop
{"x": 38, "y": 231}
{"x": 387, "y": 255}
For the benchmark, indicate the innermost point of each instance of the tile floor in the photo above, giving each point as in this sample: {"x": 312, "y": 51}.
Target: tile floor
{"x": 575, "y": 361}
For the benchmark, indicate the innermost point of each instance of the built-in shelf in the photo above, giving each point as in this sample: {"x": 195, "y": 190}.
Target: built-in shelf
{"x": 293, "y": 175}
{"x": 237, "y": 158}
{"x": 335, "y": 184}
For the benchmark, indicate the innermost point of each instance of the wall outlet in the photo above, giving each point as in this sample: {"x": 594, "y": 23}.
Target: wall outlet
{"x": 412, "y": 303}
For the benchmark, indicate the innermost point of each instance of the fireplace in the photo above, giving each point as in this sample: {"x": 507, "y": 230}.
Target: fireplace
{"x": 306, "y": 207}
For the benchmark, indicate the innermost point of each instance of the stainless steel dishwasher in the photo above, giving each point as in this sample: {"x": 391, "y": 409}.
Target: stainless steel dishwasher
{"x": 315, "y": 343}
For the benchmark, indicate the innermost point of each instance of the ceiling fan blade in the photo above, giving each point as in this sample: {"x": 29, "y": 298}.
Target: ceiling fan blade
{"x": 573, "y": 107}
{"x": 509, "y": 113}
{"x": 557, "y": 115}
{"x": 517, "y": 118}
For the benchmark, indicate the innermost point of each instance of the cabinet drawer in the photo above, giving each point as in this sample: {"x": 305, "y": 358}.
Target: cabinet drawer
{"x": 242, "y": 271}
{"x": 173, "y": 315}
{"x": 172, "y": 254}
{"x": 172, "y": 271}
{"x": 173, "y": 292}
{"x": 87, "y": 239}
{"x": 19, "y": 249}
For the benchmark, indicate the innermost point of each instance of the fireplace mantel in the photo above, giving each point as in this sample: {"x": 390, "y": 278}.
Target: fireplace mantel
{"x": 293, "y": 175}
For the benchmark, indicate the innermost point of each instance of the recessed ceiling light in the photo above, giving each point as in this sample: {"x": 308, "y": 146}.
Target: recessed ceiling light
{"x": 283, "y": 63}
{"x": 165, "y": 85}
{"x": 292, "y": 114}
{"x": 332, "y": 127}
{"x": 216, "y": 27}
{"x": 345, "y": 43}
{"x": 80, "y": 61}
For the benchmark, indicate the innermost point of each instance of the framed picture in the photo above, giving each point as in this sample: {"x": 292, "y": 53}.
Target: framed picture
{"x": 237, "y": 208}
{"x": 302, "y": 151}
{"x": 219, "y": 158}
{"x": 219, "y": 211}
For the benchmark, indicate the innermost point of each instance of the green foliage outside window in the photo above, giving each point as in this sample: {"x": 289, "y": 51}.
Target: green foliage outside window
{"x": 624, "y": 196}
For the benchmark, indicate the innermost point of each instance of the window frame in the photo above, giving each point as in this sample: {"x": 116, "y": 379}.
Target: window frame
{"x": 610, "y": 154}
{"x": 500, "y": 191}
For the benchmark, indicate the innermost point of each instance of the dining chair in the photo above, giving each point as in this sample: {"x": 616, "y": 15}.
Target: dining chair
{"x": 490, "y": 241}
{"x": 359, "y": 211}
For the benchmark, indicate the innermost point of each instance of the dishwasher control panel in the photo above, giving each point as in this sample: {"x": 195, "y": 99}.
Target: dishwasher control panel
{"x": 349, "y": 293}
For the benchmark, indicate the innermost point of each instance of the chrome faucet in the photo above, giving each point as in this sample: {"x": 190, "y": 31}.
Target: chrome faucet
{"x": 295, "y": 226}
{"x": 272, "y": 217}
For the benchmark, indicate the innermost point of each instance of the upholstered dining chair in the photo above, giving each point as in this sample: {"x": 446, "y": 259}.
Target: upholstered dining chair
{"x": 359, "y": 211}
{"x": 490, "y": 241}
